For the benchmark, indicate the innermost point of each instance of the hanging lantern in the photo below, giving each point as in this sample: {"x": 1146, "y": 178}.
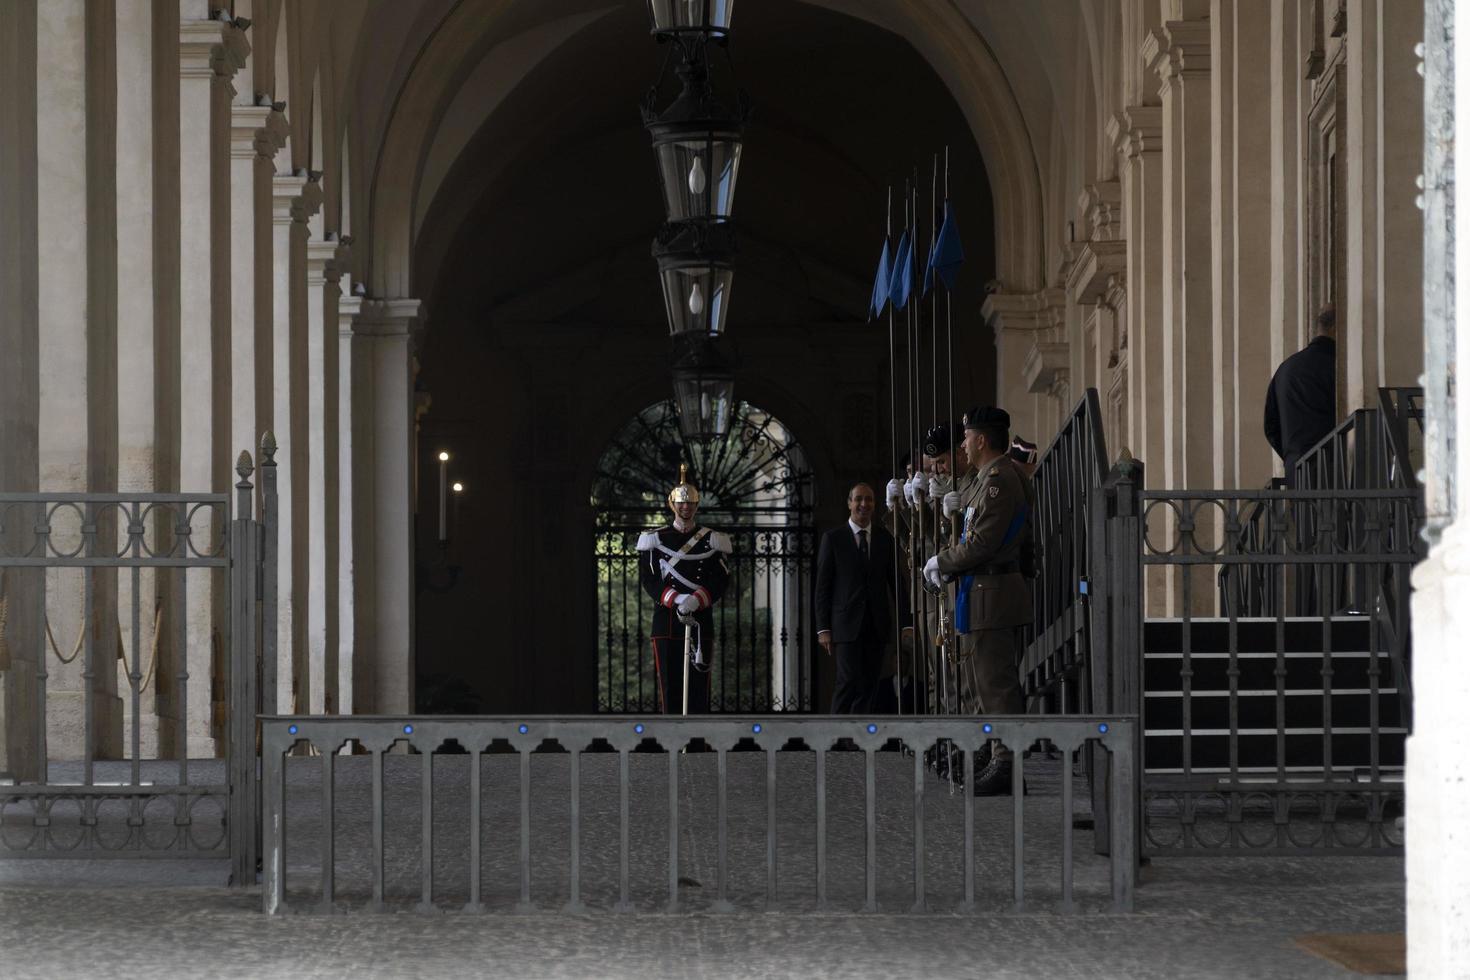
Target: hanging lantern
{"x": 696, "y": 142}
{"x": 679, "y": 16}
{"x": 704, "y": 391}
{"x": 696, "y": 269}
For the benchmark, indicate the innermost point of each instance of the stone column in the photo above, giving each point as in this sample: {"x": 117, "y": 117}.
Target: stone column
{"x": 1031, "y": 356}
{"x": 295, "y": 198}
{"x": 1437, "y": 865}
{"x": 1179, "y": 54}
{"x": 353, "y": 633}
{"x": 321, "y": 278}
{"x": 382, "y": 356}
{"x": 1289, "y": 26}
{"x": 209, "y": 53}
{"x": 1136, "y": 133}
{"x": 257, "y": 132}
{"x": 138, "y": 149}
{"x": 20, "y": 373}
{"x": 1240, "y": 208}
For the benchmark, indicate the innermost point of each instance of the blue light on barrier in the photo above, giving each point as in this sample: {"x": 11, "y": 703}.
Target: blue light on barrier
{"x": 292, "y": 729}
{"x": 522, "y": 729}
{"x": 986, "y": 728}
{"x": 638, "y": 728}
{"x": 756, "y": 728}
{"x": 872, "y": 729}
{"x": 1103, "y": 728}
{"x": 408, "y": 729}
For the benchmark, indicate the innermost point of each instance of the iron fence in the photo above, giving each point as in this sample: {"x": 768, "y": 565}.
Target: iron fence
{"x": 283, "y": 737}
{"x": 1279, "y": 732}
{"x": 764, "y": 624}
{"x": 131, "y": 786}
{"x": 1069, "y": 480}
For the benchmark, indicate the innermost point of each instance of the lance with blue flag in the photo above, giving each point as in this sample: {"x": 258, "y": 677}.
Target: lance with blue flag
{"x": 879, "y": 298}
{"x": 901, "y": 279}
{"x": 947, "y": 254}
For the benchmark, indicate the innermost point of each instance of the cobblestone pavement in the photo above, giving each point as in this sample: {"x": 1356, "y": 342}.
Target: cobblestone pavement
{"x": 1211, "y": 917}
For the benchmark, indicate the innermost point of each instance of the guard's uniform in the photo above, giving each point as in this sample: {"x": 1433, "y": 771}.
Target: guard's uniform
{"x": 673, "y": 564}
{"x": 993, "y": 562}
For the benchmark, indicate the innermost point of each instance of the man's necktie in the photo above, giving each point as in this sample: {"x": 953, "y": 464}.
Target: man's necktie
{"x": 863, "y": 542}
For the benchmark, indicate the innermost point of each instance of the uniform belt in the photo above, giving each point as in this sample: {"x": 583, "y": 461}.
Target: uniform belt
{"x": 1004, "y": 568}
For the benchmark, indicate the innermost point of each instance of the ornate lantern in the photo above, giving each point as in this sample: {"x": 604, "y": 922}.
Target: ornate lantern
{"x": 696, "y": 142}
{"x": 696, "y": 269}
{"x": 704, "y": 391}
{"x": 710, "y": 17}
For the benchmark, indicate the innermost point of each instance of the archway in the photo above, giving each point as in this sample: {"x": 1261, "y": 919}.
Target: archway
{"x": 756, "y": 486}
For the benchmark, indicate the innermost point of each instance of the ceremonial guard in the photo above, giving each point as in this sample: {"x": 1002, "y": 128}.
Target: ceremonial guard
{"x": 683, "y": 568}
{"x": 993, "y": 562}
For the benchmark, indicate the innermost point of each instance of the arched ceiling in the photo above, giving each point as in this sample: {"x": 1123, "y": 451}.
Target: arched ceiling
{"x": 548, "y": 209}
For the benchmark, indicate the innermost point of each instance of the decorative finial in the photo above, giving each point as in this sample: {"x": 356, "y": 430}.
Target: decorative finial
{"x": 268, "y": 448}
{"x": 244, "y": 465}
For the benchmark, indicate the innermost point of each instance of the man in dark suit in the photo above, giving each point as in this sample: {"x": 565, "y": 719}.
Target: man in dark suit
{"x": 855, "y": 590}
{"x": 1301, "y": 403}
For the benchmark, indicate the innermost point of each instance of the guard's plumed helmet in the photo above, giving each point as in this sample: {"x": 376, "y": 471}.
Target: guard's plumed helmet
{"x": 685, "y": 492}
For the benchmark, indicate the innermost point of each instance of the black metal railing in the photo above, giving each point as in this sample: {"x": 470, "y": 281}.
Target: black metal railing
{"x": 951, "y": 861}
{"x": 1069, "y": 480}
{"x": 763, "y": 625}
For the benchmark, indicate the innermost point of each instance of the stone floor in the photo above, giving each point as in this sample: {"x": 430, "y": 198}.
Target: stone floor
{"x": 1210, "y": 917}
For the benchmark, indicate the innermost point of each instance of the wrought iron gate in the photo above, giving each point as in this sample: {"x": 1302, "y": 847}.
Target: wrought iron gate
{"x": 755, "y": 486}
{"x": 130, "y": 786}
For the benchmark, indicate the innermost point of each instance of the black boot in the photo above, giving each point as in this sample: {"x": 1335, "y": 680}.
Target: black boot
{"x": 994, "y": 779}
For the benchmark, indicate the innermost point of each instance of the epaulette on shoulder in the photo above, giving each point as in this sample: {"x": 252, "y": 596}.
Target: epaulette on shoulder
{"x": 720, "y": 541}
{"x": 648, "y": 540}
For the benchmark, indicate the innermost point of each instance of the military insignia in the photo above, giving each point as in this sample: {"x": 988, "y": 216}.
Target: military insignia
{"x": 994, "y": 492}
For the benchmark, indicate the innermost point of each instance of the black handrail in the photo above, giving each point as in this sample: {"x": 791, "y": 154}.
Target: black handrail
{"x": 1069, "y": 477}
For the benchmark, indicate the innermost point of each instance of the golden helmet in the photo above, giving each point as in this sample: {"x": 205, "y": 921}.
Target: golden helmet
{"x": 685, "y": 492}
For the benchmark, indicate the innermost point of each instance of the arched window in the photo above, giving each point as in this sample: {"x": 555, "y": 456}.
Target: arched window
{"x": 754, "y": 484}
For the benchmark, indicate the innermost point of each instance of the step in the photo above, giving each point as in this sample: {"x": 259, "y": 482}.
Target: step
{"x": 1163, "y": 751}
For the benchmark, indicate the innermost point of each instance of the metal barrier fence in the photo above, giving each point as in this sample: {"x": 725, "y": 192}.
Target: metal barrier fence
{"x": 628, "y": 734}
{"x": 111, "y": 794}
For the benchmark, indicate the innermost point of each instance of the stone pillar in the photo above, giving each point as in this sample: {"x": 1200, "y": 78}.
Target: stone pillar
{"x": 1437, "y": 866}
{"x": 320, "y": 389}
{"x": 257, "y": 132}
{"x": 1031, "y": 357}
{"x": 1179, "y": 54}
{"x": 353, "y": 633}
{"x": 138, "y": 149}
{"x": 296, "y": 197}
{"x": 1287, "y": 126}
{"x": 1136, "y": 133}
{"x": 209, "y": 53}
{"x": 337, "y": 269}
{"x": 1240, "y": 209}
{"x": 20, "y": 373}
{"x": 382, "y": 356}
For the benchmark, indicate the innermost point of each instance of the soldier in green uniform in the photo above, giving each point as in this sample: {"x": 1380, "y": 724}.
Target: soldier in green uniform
{"x": 993, "y": 563}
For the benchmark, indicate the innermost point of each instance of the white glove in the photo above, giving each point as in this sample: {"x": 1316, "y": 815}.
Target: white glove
{"x": 908, "y": 492}
{"x": 919, "y": 490}
{"x": 931, "y": 572}
{"x": 937, "y": 486}
{"x": 895, "y": 491}
{"x": 688, "y": 604}
{"x": 951, "y": 504}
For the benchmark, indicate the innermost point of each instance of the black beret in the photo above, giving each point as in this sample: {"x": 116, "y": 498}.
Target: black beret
{"x": 1023, "y": 451}
{"x": 942, "y": 438}
{"x": 988, "y": 415}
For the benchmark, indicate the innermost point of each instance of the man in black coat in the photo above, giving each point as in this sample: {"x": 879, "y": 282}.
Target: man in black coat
{"x": 855, "y": 590}
{"x": 1301, "y": 403}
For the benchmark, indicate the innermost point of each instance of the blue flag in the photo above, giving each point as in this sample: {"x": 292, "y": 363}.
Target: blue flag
{"x": 880, "y": 285}
{"x": 901, "y": 284}
{"x": 948, "y": 253}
